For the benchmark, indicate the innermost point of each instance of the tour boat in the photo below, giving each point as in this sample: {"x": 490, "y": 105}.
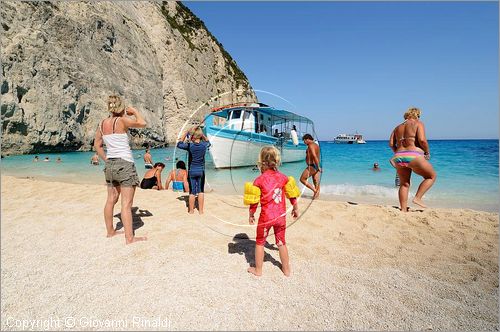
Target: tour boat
{"x": 237, "y": 132}
{"x": 350, "y": 139}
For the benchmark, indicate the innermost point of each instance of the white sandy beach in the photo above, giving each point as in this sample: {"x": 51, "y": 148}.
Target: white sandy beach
{"x": 361, "y": 267}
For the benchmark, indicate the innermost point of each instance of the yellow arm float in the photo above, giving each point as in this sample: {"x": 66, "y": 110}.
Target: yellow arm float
{"x": 291, "y": 189}
{"x": 252, "y": 194}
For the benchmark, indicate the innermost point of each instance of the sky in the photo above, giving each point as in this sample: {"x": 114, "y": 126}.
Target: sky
{"x": 357, "y": 66}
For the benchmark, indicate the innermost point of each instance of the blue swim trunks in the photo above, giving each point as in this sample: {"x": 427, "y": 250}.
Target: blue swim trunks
{"x": 196, "y": 182}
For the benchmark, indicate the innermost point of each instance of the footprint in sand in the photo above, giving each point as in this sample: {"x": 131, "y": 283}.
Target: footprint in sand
{"x": 322, "y": 250}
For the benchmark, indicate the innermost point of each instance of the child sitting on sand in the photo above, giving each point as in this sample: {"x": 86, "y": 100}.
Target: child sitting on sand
{"x": 269, "y": 189}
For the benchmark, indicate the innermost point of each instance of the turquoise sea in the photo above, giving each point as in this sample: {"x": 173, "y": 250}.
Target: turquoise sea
{"x": 467, "y": 172}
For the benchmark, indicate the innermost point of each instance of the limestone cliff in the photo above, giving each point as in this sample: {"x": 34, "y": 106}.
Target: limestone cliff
{"x": 60, "y": 61}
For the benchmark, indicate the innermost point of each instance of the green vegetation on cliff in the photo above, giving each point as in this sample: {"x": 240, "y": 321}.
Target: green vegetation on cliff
{"x": 188, "y": 24}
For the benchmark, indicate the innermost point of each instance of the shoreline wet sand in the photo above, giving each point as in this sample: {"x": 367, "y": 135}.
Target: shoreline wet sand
{"x": 229, "y": 190}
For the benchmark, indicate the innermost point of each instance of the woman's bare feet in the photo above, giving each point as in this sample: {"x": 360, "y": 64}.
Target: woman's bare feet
{"x": 286, "y": 271}
{"x": 191, "y": 212}
{"x": 316, "y": 194}
{"x": 419, "y": 202}
{"x": 114, "y": 233}
{"x": 136, "y": 239}
{"x": 253, "y": 271}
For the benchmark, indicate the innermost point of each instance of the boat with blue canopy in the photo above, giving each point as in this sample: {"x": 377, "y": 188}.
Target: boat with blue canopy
{"x": 237, "y": 132}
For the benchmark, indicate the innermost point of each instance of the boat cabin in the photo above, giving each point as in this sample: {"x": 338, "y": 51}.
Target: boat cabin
{"x": 238, "y": 132}
{"x": 259, "y": 119}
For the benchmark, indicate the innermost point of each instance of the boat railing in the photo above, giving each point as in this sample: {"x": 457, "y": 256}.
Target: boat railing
{"x": 280, "y": 142}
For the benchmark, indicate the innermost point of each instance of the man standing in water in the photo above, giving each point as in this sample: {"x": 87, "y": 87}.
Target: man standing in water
{"x": 148, "y": 160}
{"x": 312, "y": 170}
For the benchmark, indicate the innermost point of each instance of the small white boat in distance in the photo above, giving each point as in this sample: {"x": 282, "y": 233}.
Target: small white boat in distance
{"x": 349, "y": 139}
{"x": 237, "y": 132}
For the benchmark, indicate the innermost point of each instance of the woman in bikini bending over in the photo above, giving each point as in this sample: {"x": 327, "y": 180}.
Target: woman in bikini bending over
{"x": 411, "y": 153}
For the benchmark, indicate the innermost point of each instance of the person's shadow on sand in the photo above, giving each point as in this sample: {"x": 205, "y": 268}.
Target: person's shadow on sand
{"x": 242, "y": 245}
{"x": 136, "y": 218}
{"x": 185, "y": 199}
{"x": 408, "y": 209}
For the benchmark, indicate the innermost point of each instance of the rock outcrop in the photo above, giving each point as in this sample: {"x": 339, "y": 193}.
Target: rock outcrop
{"x": 60, "y": 61}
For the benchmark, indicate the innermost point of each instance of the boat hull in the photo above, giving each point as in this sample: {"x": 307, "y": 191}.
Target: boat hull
{"x": 349, "y": 139}
{"x": 243, "y": 150}
{"x": 349, "y": 142}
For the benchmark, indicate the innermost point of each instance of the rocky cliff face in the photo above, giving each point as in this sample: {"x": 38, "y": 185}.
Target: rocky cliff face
{"x": 60, "y": 61}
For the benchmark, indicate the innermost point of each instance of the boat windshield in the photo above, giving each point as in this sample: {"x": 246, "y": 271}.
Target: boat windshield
{"x": 236, "y": 114}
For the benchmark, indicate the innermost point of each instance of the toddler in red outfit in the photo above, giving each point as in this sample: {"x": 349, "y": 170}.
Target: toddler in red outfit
{"x": 269, "y": 189}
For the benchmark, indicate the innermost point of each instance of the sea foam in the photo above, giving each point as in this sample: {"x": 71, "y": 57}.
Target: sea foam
{"x": 359, "y": 190}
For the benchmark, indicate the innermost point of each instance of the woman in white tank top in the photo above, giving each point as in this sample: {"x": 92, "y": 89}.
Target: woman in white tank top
{"x": 120, "y": 173}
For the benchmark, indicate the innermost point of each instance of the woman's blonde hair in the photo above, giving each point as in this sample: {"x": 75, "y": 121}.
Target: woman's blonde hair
{"x": 412, "y": 113}
{"x": 269, "y": 157}
{"x": 198, "y": 133}
{"x": 115, "y": 104}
